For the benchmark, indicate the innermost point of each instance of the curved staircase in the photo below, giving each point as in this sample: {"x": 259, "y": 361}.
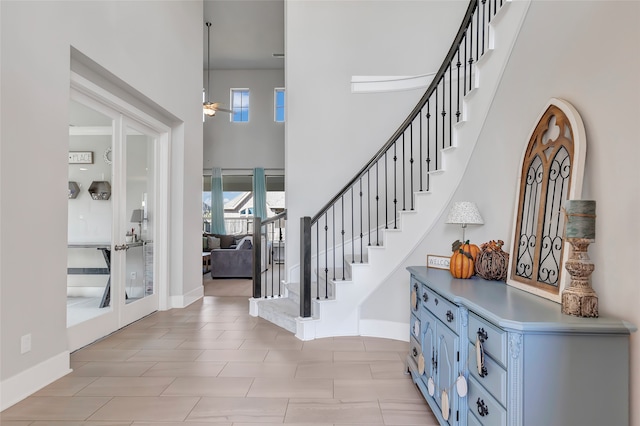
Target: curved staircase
{"x": 349, "y": 264}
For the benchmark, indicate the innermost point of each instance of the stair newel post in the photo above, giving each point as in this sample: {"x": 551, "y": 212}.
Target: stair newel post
{"x": 305, "y": 267}
{"x": 257, "y": 264}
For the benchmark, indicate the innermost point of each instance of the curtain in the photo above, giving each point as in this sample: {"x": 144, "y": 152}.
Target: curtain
{"x": 217, "y": 202}
{"x": 259, "y": 194}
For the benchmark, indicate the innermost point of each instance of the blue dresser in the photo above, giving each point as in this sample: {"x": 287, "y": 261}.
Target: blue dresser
{"x": 485, "y": 353}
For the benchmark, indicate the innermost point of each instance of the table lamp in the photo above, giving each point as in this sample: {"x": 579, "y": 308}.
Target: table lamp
{"x": 464, "y": 213}
{"x": 136, "y": 217}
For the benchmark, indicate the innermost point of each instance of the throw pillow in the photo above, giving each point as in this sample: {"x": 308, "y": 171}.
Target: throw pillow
{"x": 225, "y": 240}
{"x": 245, "y": 244}
{"x": 213, "y": 242}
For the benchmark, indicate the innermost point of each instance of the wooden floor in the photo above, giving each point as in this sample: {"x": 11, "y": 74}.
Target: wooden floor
{"x": 212, "y": 363}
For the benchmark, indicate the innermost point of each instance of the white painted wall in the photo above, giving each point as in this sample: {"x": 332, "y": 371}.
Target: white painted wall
{"x": 155, "y": 47}
{"x": 331, "y": 133}
{"x": 559, "y": 54}
{"x": 258, "y": 143}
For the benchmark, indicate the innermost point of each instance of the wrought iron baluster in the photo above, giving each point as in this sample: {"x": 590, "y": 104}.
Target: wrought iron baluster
{"x": 342, "y": 232}
{"x": 435, "y": 136}
{"x": 483, "y": 23}
{"x": 369, "y": 206}
{"x": 471, "y": 54}
{"x": 477, "y": 13}
{"x": 333, "y": 232}
{"x": 404, "y": 177}
{"x": 420, "y": 141}
{"x": 361, "y": 220}
{"x": 326, "y": 254}
{"x": 450, "y": 107}
{"x": 428, "y": 144}
{"x": 464, "y": 80}
{"x": 377, "y": 206}
{"x": 353, "y": 231}
{"x": 411, "y": 161}
{"x": 386, "y": 193}
{"x": 458, "y": 83}
{"x": 395, "y": 196}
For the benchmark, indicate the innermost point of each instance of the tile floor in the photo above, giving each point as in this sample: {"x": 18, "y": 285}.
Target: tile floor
{"x": 212, "y": 363}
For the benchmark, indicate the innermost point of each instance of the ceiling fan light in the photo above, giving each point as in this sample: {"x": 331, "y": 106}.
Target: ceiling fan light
{"x": 209, "y": 109}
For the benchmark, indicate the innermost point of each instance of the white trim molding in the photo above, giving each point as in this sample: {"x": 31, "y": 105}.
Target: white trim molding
{"x": 182, "y": 301}
{"x": 376, "y": 84}
{"x": 16, "y": 388}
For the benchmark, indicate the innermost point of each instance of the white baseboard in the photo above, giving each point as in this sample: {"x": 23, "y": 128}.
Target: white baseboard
{"x": 185, "y": 300}
{"x": 16, "y": 388}
{"x": 385, "y": 329}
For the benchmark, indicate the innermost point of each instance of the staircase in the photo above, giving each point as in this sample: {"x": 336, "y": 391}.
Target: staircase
{"x": 350, "y": 256}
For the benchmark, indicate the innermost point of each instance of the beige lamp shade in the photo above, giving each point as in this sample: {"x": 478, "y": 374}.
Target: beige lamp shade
{"x": 464, "y": 213}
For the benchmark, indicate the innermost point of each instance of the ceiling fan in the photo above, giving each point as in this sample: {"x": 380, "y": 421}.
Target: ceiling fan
{"x": 210, "y": 108}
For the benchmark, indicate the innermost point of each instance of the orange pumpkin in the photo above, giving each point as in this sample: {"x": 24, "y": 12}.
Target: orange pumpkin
{"x": 461, "y": 264}
{"x": 472, "y": 249}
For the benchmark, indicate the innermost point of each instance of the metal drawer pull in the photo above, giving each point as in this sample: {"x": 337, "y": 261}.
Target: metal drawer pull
{"x": 436, "y": 301}
{"x": 482, "y": 408}
{"x": 425, "y": 297}
{"x": 482, "y": 335}
{"x": 449, "y": 316}
{"x": 415, "y": 352}
{"x": 122, "y": 247}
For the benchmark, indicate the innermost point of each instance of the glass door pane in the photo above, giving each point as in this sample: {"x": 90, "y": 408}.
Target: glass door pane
{"x": 90, "y": 212}
{"x": 140, "y": 186}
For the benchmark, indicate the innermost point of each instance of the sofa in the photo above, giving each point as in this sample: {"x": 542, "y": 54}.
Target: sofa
{"x": 231, "y": 255}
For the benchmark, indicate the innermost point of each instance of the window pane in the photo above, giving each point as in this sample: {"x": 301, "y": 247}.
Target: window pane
{"x": 279, "y": 105}
{"x": 240, "y": 105}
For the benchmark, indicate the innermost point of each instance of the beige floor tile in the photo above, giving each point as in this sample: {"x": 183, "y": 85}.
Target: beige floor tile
{"x": 252, "y": 410}
{"x": 166, "y": 355}
{"x": 209, "y": 386}
{"x": 376, "y": 389}
{"x": 192, "y": 334}
{"x": 231, "y": 355}
{"x": 106, "y": 355}
{"x": 54, "y": 408}
{"x": 66, "y": 386}
{"x": 185, "y": 369}
{"x": 112, "y": 369}
{"x": 180, "y": 424}
{"x": 70, "y": 423}
{"x": 332, "y": 344}
{"x": 272, "y": 344}
{"x": 149, "y": 344}
{"x": 388, "y": 369}
{"x": 281, "y": 357}
{"x": 149, "y": 408}
{"x": 258, "y": 369}
{"x": 367, "y": 356}
{"x": 127, "y": 386}
{"x": 15, "y": 422}
{"x": 334, "y": 411}
{"x": 334, "y": 370}
{"x": 402, "y": 412}
{"x": 228, "y": 326}
{"x": 291, "y": 388}
{"x": 249, "y": 335}
{"x": 374, "y": 344}
{"x": 210, "y": 344}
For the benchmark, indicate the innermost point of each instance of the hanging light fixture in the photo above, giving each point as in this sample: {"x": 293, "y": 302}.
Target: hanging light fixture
{"x": 210, "y": 108}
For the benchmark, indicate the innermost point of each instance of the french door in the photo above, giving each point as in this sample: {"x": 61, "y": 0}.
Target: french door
{"x": 116, "y": 216}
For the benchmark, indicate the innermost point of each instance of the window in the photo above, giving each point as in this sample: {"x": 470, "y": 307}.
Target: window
{"x": 279, "y": 105}
{"x": 240, "y": 105}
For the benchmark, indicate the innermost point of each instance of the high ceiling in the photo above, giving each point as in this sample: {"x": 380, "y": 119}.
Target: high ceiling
{"x": 244, "y": 33}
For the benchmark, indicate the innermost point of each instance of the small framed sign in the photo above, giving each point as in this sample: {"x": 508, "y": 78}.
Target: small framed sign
{"x": 81, "y": 157}
{"x": 438, "y": 262}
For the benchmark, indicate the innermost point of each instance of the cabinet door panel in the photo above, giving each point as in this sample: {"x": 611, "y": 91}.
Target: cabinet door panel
{"x": 447, "y": 367}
